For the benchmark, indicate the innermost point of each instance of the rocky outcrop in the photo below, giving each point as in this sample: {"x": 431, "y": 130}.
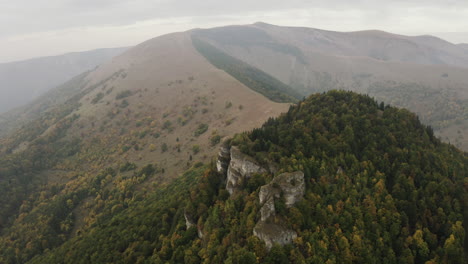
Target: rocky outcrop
{"x": 200, "y": 233}
{"x": 291, "y": 188}
{"x": 274, "y": 234}
{"x": 268, "y": 209}
{"x": 237, "y": 167}
{"x": 188, "y": 221}
{"x": 240, "y": 167}
{"x": 224, "y": 157}
{"x": 339, "y": 170}
{"x": 291, "y": 185}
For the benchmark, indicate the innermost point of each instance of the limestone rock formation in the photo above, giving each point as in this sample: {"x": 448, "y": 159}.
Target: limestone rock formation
{"x": 200, "y": 233}
{"x": 274, "y": 234}
{"x": 292, "y": 187}
{"x": 237, "y": 167}
{"x": 188, "y": 221}
{"x": 240, "y": 167}
{"x": 224, "y": 157}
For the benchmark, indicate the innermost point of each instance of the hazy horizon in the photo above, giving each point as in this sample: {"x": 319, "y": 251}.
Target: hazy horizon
{"x": 72, "y": 26}
{"x": 447, "y": 36}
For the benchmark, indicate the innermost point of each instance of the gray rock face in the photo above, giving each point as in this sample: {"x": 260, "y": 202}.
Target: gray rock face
{"x": 268, "y": 209}
{"x": 291, "y": 184}
{"x": 273, "y": 234}
{"x": 237, "y": 167}
{"x": 240, "y": 167}
{"x": 224, "y": 157}
{"x": 292, "y": 187}
{"x": 188, "y": 221}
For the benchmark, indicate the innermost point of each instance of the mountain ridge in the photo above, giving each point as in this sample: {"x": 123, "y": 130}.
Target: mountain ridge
{"x": 424, "y": 40}
{"x": 311, "y": 60}
{"x": 66, "y": 54}
{"x": 23, "y": 81}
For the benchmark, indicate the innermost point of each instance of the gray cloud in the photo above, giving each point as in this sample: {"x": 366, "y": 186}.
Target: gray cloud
{"x": 26, "y": 19}
{"x": 25, "y": 16}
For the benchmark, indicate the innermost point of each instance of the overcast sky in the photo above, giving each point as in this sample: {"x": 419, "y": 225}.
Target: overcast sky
{"x": 33, "y": 28}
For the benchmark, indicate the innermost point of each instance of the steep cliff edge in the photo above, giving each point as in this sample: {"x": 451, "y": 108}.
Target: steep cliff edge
{"x": 285, "y": 187}
{"x": 288, "y": 188}
{"x": 224, "y": 157}
{"x": 240, "y": 167}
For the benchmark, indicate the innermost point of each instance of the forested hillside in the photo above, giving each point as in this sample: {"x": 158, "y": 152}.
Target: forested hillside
{"x": 110, "y": 137}
{"x": 379, "y": 187}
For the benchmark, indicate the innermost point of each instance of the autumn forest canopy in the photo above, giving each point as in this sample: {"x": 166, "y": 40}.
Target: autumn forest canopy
{"x": 379, "y": 188}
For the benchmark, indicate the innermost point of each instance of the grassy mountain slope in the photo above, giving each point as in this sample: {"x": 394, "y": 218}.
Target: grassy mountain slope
{"x": 379, "y": 45}
{"x": 423, "y": 74}
{"x": 117, "y": 132}
{"x": 380, "y": 188}
{"x": 161, "y": 90}
{"x": 253, "y": 78}
{"x": 23, "y": 81}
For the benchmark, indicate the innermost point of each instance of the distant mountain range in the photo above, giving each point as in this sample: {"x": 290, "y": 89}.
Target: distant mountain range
{"x": 275, "y": 64}
{"x": 22, "y": 81}
{"x": 424, "y": 74}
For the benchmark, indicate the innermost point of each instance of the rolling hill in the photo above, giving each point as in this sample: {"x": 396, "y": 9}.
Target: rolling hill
{"x": 23, "y": 81}
{"x": 424, "y": 74}
{"x": 160, "y": 87}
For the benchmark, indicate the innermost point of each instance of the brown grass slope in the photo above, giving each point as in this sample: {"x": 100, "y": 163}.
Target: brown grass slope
{"x": 160, "y": 102}
{"x": 174, "y": 91}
